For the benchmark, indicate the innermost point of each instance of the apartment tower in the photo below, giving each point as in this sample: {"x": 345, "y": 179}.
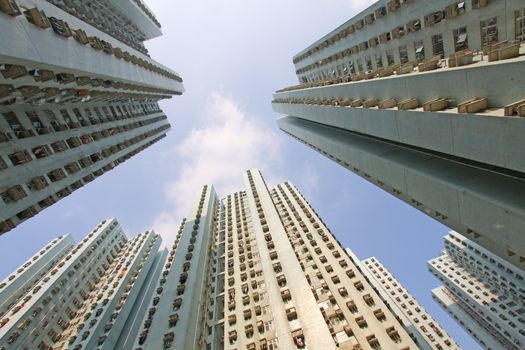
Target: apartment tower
{"x": 428, "y": 334}
{"x": 484, "y": 293}
{"x": 80, "y": 296}
{"x": 78, "y": 96}
{"x": 259, "y": 270}
{"x": 422, "y": 99}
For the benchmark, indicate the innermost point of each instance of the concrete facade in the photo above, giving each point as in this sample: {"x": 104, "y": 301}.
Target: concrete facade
{"x": 83, "y": 296}
{"x": 15, "y": 286}
{"x": 484, "y": 293}
{"x": 425, "y": 331}
{"x": 441, "y": 133}
{"x": 259, "y": 270}
{"x": 397, "y": 32}
{"x": 78, "y": 96}
{"x": 176, "y": 316}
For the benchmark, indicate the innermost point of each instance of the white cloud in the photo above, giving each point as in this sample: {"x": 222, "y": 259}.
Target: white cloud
{"x": 218, "y": 154}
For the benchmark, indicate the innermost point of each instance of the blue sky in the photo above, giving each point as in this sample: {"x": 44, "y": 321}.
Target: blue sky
{"x": 233, "y": 55}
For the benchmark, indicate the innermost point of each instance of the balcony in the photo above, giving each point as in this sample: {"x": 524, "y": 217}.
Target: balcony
{"x": 248, "y": 330}
{"x": 286, "y": 295}
{"x": 232, "y": 336}
{"x": 281, "y": 280}
{"x": 173, "y": 319}
{"x": 258, "y": 310}
{"x": 247, "y": 314}
{"x": 369, "y": 300}
{"x": 374, "y": 343}
{"x": 20, "y": 157}
{"x": 168, "y": 340}
{"x": 232, "y": 319}
{"x": 37, "y": 17}
{"x": 177, "y": 304}
{"x": 380, "y": 315}
{"x": 393, "y": 5}
{"x": 15, "y": 193}
{"x": 352, "y": 306}
{"x": 291, "y": 313}
{"x": 260, "y": 326}
{"x": 298, "y": 338}
{"x": 393, "y": 334}
{"x": 11, "y": 71}
{"x": 361, "y": 322}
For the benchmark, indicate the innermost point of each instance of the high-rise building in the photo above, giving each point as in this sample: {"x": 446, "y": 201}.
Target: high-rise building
{"x": 183, "y": 292}
{"x": 80, "y": 296}
{"x": 421, "y": 99}
{"x": 484, "y": 293}
{"x": 427, "y": 333}
{"x": 25, "y": 278}
{"x": 78, "y": 96}
{"x": 259, "y": 270}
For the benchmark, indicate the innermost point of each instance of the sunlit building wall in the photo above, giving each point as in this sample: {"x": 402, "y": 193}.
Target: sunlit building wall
{"x": 484, "y": 293}
{"x": 78, "y": 96}
{"x": 426, "y": 332}
{"x": 259, "y": 270}
{"x": 83, "y": 297}
{"x": 421, "y": 99}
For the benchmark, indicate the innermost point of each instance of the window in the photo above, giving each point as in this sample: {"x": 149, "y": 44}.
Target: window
{"x": 41, "y": 151}
{"x": 398, "y": 32}
{"x": 379, "y": 60}
{"x": 273, "y": 344}
{"x": 477, "y": 4}
{"x": 266, "y": 309}
{"x": 414, "y": 25}
{"x": 352, "y": 67}
{"x": 381, "y": 12}
{"x": 35, "y": 121}
{"x": 359, "y": 24}
{"x": 368, "y": 60}
{"x": 173, "y": 319}
{"x": 460, "y": 39}
{"x": 455, "y": 10}
{"x": 403, "y": 54}
{"x": 65, "y": 115}
{"x": 390, "y": 57}
{"x": 489, "y": 31}
{"x": 419, "y": 48}
{"x": 520, "y": 24}
{"x": 12, "y": 120}
{"x": 359, "y": 65}
{"x": 437, "y": 45}
{"x": 168, "y": 340}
